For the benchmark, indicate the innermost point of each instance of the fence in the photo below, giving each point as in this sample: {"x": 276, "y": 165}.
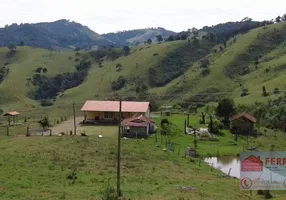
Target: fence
{"x": 12, "y": 130}
{"x": 38, "y": 131}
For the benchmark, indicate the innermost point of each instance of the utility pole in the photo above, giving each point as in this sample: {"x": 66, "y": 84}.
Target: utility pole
{"x": 118, "y": 150}
{"x": 74, "y": 120}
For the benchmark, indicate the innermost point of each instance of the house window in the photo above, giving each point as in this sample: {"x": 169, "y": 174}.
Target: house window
{"x": 108, "y": 115}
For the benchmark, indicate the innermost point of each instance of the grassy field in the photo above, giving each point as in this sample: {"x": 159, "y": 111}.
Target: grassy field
{"x": 74, "y": 167}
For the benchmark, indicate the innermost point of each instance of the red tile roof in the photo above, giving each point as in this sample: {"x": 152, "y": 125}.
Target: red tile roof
{"x": 11, "y": 113}
{"x": 140, "y": 121}
{"x": 137, "y": 121}
{"x": 245, "y": 115}
{"x": 113, "y": 106}
{"x": 141, "y": 124}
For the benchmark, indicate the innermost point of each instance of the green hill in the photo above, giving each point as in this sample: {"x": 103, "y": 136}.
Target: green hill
{"x": 137, "y": 36}
{"x": 195, "y": 71}
{"x": 61, "y": 34}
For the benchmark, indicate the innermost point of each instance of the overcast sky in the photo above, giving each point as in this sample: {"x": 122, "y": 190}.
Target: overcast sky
{"x": 114, "y": 15}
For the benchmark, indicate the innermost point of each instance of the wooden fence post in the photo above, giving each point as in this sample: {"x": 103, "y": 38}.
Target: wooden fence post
{"x": 28, "y": 131}
{"x": 185, "y": 127}
{"x": 229, "y": 172}
{"x": 8, "y": 131}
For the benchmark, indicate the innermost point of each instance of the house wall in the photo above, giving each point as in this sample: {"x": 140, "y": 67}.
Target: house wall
{"x": 91, "y": 115}
{"x": 241, "y": 126}
{"x": 147, "y": 114}
{"x": 139, "y": 130}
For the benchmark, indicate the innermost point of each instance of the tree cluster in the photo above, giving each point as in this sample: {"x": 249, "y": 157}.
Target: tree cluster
{"x": 3, "y": 72}
{"x": 49, "y": 87}
{"x": 119, "y": 84}
{"x": 178, "y": 61}
{"x": 264, "y": 43}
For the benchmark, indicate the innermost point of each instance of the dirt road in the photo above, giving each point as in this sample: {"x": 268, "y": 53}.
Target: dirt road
{"x": 66, "y": 126}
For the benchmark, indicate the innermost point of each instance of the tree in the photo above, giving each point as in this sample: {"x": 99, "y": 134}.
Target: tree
{"x": 138, "y": 90}
{"x": 126, "y": 50}
{"x": 149, "y": 41}
{"x": 44, "y": 123}
{"x": 276, "y": 91}
{"x": 203, "y": 119}
{"x": 278, "y": 19}
{"x": 77, "y": 49}
{"x": 225, "y": 109}
{"x": 184, "y": 37}
{"x": 224, "y": 44}
{"x": 144, "y": 88}
{"x": 38, "y": 70}
{"x": 159, "y": 38}
{"x": 256, "y": 63}
{"x": 264, "y": 92}
{"x": 170, "y": 38}
{"x": 284, "y": 18}
{"x": 11, "y": 47}
{"x": 246, "y": 19}
{"x": 195, "y": 32}
{"x": 119, "y": 67}
{"x": 204, "y": 63}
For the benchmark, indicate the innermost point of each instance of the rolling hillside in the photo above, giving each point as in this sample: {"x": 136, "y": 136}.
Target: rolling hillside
{"x": 207, "y": 71}
{"x": 61, "y": 34}
{"x": 137, "y": 36}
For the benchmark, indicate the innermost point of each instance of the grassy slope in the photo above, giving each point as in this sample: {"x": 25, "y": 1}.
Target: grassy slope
{"x": 192, "y": 82}
{"x": 40, "y": 172}
{"x": 97, "y": 84}
{"x": 21, "y": 67}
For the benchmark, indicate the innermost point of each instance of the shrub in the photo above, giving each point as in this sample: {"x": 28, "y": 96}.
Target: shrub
{"x": 119, "y": 84}
{"x": 244, "y": 92}
{"x": 46, "y": 102}
{"x": 204, "y": 63}
{"x": 39, "y": 70}
{"x": 276, "y": 91}
{"x": 109, "y": 194}
{"x": 266, "y": 70}
{"x": 205, "y": 72}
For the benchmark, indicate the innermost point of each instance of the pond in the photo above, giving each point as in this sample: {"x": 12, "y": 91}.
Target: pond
{"x": 224, "y": 163}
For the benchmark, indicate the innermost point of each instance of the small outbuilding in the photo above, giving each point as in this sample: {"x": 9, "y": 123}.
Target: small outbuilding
{"x": 13, "y": 115}
{"x": 137, "y": 127}
{"x": 243, "y": 124}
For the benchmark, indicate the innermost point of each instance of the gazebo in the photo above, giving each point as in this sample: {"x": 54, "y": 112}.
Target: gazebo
{"x": 12, "y": 114}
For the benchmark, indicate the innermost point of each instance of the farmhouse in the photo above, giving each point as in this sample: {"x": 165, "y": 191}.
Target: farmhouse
{"x": 137, "y": 127}
{"x": 242, "y": 124}
{"x": 108, "y": 111}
